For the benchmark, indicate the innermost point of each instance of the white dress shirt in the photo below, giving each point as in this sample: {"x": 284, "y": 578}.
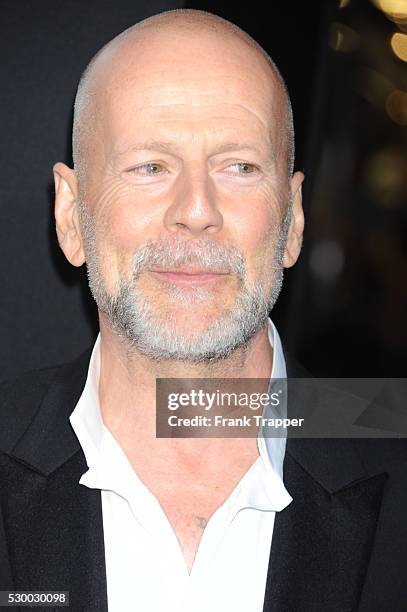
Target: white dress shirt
{"x": 145, "y": 567}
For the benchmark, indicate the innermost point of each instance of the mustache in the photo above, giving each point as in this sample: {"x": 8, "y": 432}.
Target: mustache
{"x": 209, "y": 256}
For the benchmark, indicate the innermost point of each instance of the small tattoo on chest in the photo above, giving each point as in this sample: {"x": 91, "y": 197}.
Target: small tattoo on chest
{"x": 201, "y": 521}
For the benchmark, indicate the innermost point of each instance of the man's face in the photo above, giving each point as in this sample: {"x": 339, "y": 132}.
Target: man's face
{"x": 185, "y": 175}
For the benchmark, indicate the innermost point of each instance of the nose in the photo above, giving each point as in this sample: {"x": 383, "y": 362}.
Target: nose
{"x": 194, "y": 208}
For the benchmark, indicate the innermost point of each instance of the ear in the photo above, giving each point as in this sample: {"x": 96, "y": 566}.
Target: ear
{"x": 296, "y": 229}
{"x": 66, "y": 214}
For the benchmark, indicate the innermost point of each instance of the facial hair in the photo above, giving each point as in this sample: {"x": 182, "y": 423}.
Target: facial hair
{"x": 134, "y": 317}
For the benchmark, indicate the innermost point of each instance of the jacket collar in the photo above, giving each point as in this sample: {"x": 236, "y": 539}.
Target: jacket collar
{"x": 49, "y": 440}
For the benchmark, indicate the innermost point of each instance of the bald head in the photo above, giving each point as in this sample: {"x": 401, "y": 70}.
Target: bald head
{"x": 165, "y": 36}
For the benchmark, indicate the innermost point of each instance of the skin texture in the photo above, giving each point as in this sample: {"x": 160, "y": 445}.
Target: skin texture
{"x": 187, "y": 80}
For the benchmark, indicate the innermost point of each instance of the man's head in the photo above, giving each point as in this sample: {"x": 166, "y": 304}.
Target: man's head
{"x": 183, "y": 154}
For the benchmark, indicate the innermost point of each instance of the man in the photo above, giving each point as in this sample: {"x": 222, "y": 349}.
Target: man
{"x": 184, "y": 205}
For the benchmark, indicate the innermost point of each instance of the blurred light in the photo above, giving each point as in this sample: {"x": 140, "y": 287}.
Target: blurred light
{"x": 392, "y": 7}
{"x": 326, "y": 260}
{"x": 395, "y": 10}
{"x": 342, "y": 38}
{"x": 374, "y": 87}
{"x": 396, "y": 106}
{"x": 384, "y": 177}
{"x": 399, "y": 45}
{"x": 343, "y": 3}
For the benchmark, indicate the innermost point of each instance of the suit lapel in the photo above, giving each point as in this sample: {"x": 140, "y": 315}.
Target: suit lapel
{"x": 55, "y": 534}
{"x": 322, "y": 541}
{"x": 54, "y": 525}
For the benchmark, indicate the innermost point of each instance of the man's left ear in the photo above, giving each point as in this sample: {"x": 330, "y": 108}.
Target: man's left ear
{"x": 296, "y": 229}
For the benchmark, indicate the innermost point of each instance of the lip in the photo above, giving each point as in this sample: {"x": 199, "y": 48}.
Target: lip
{"x": 189, "y": 276}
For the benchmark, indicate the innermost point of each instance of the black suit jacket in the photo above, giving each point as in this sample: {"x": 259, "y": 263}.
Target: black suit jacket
{"x": 341, "y": 545}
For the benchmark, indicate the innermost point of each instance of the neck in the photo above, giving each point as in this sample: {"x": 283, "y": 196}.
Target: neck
{"x": 127, "y": 389}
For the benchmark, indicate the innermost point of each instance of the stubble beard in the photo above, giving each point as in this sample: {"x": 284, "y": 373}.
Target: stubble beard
{"x": 137, "y": 322}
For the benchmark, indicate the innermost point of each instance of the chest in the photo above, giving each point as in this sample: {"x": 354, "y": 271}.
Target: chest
{"x": 233, "y": 558}
{"x": 189, "y": 516}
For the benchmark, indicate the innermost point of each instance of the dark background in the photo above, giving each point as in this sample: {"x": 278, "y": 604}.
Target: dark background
{"x": 343, "y": 308}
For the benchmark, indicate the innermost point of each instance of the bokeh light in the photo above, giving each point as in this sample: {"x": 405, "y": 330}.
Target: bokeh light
{"x": 395, "y": 10}
{"x": 326, "y": 260}
{"x": 399, "y": 45}
{"x": 343, "y": 38}
{"x": 396, "y": 106}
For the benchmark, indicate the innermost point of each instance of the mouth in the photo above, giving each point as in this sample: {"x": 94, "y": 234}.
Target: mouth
{"x": 189, "y": 276}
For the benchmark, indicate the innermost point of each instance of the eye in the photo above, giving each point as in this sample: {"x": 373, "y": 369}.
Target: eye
{"x": 243, "y": 168}
{"x": 148, "y": 169}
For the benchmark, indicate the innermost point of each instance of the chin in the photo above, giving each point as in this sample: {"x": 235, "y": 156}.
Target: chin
{"x": 188, "y": 320}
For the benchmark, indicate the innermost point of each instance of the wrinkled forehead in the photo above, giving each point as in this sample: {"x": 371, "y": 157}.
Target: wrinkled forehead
{"x": 172, "y": 79}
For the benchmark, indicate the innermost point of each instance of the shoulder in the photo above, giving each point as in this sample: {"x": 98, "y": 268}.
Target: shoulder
{"x": 22, "y": 396}
{"x": 19, "y": 400}
{"x": 346, "y": 429}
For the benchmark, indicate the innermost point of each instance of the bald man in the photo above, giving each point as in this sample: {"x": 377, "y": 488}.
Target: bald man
{"x": 184, "y": 206}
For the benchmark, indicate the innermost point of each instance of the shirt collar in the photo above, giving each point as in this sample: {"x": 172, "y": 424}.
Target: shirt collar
{"x": 272, "y": 450}
{"x": 99, "y": 446}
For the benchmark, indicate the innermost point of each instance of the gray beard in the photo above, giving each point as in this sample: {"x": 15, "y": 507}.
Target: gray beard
{"x": 136, "y": 321}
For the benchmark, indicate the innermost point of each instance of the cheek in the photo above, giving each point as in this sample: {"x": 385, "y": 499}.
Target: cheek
{"x": 120, "y": 229}
{"x": 256, "y": 229}
{"x": 125, "y": 218}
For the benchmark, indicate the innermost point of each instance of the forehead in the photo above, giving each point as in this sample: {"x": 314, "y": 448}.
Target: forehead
{"x": 205, "y": 85}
